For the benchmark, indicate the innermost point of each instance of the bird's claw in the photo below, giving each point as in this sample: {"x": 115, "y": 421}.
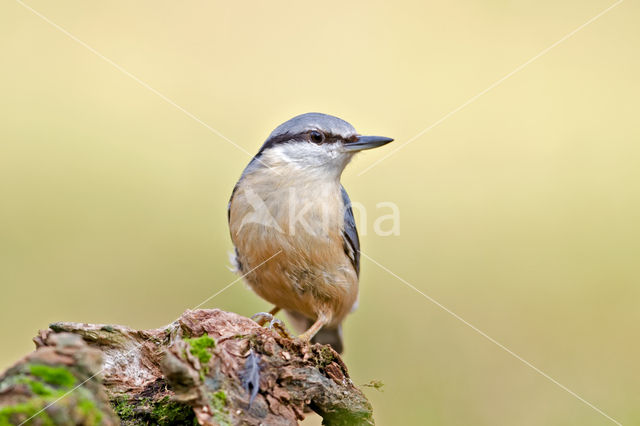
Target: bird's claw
{"x": 263, "y": 318}
{"x": 276, "y": 324}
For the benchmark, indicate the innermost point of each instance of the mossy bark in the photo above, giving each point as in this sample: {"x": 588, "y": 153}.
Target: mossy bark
{"x": 56, "y": 385}
{"x": 210, "y": 367}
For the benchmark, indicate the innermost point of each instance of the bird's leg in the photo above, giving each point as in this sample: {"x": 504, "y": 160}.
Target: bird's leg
{"x": 274, "y": 311}
{"x": 313, "y": 330}
{"x": 263, "y": 318}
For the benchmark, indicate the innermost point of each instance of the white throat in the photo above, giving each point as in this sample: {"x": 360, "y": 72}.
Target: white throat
{"x": 307, "y": 161}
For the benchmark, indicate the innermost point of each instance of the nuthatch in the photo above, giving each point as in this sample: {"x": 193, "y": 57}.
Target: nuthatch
{"x": 293, "y": 228}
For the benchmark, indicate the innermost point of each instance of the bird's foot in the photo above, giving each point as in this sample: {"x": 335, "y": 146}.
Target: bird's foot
{"x": 313, "y": 330}
{"x": 263, "y": 318}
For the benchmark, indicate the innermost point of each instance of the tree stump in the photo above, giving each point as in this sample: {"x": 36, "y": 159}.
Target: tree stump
{"x": 209, "y": 367}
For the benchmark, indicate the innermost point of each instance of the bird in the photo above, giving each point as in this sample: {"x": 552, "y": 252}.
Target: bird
{"x": 293, "y": 228}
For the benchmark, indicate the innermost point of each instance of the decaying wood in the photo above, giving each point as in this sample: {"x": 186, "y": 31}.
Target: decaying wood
{"x": 209, "y": 367}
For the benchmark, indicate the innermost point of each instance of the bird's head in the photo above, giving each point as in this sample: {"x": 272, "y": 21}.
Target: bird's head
{"x": 317, "y": 143}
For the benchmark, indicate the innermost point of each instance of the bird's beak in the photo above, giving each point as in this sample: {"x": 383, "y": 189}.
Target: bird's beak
{"x": 366, "y": 142}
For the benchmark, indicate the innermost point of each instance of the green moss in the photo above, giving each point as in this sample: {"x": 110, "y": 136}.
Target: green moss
{"x": 168, "y": 412}
{"x": 21, "y": 412}
{"x": 219, "y": 405}
{"x": 220, "y": 399}
{"x": 38, "y": 388}
{"x": 325, "y": 357}
{"x": 123, "y": 408}
{"x": 163, "y": 412}
{"x": 59, "y": 376}
{"x": 200, "y": 347}
{"x": 49, "y": 384}
{"x": 92, "y": 415}
{"x": 49, "y": 378}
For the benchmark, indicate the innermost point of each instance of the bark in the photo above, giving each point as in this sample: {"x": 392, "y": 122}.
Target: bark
{"x": 210, "y": 367}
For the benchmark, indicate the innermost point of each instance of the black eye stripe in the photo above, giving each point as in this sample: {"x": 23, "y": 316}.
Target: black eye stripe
{"x": 303, "y": 136}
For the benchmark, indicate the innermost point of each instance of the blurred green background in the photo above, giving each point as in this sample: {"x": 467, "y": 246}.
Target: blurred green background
{"x": 521, "y": 213}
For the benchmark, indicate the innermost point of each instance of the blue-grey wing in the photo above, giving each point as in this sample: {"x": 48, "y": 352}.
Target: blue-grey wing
{"x": 235, "y": 257}
{"x": 350, "y": 240}
{"x": 229, "y": 205}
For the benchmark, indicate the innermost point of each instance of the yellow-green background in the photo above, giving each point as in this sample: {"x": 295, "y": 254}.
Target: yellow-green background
{"x": 520, "y": 213}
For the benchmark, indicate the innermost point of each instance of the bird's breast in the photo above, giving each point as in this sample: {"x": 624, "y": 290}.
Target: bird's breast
{"x": 299, "y": 222}
{"x": 289, "y": 208}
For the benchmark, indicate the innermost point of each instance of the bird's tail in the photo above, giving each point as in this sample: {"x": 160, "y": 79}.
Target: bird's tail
{"x": 326, "y": 336}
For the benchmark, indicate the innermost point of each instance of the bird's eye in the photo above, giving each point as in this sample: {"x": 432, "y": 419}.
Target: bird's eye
{"x": 316, "y": 136}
